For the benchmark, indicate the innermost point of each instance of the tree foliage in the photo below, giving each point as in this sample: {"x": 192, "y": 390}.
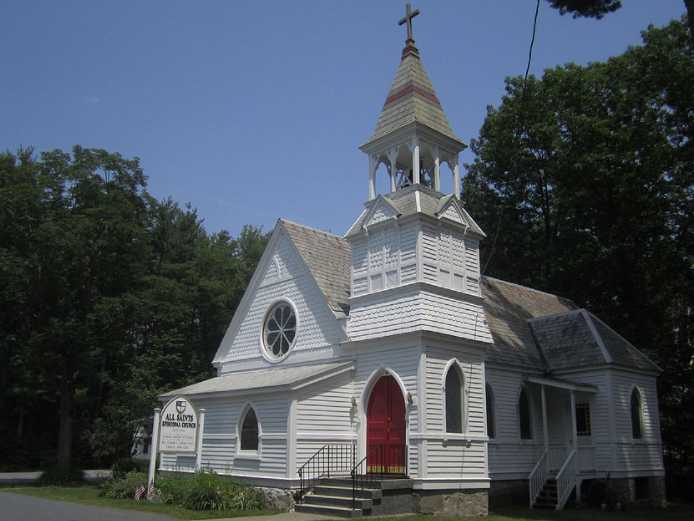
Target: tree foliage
{"x": 586, "y": 8}
{"x": 108, "y": 297}
{"x": 583, "y": 181}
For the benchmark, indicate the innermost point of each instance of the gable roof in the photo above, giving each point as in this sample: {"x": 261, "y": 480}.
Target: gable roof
{"x": 411, "y": 200}
{"x": 412, "y": 99}
{"x": 262, "y": 380}
{"x": 508, "y": 308}
{"x": 329, "y": 259}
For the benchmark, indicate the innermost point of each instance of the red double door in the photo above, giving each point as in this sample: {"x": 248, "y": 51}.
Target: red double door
{"x": 385, "y": 434}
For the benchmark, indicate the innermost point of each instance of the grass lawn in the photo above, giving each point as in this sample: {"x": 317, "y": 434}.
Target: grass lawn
{"x": 89, "y": 495}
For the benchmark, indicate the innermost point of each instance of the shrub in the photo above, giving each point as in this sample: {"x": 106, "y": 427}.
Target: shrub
{"x": 126, "y": 487}
{"x": 124, "y": 465}
{"x": 60, "y": 477}
{"x": 208, "y": 491}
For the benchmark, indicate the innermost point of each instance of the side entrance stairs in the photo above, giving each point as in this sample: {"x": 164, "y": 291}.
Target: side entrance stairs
{"x": 333, "y": 496}
{"x": 547, "y": 499}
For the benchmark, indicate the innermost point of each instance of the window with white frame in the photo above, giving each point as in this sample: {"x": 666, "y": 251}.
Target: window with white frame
{"x": 454, "y": 399}
{"x": 249, "y": 432}
{"x": 524, "y": 418}
{"x": 583, "y": 419}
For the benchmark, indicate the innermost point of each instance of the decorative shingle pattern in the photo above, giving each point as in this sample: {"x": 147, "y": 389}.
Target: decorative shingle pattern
{"x": 508, "y": 308}
{"x": 328, "y": 257}
{"x": 411, "y": 99}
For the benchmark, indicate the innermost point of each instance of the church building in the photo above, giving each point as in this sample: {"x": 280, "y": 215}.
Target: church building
{"x": 380, "y": 372}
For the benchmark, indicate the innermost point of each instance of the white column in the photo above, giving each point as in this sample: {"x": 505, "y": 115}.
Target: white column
{"x": 456, "y": 177}
{"x": 415, "y": 162}
{"x": 437, "y": 170}
{"x": 372, "y": 177}
{"x": 201, "y": 430}
{"x": 545, "y": 429}
{"x": 392, "y": 159}
{"x": 154, "y": 448}
{"x": 574, "y": 435}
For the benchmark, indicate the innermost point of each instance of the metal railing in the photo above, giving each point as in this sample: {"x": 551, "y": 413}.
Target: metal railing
{"x": 566, "y": 479}
{"x": 538, "y": 477}
{"x": 331, "y": 460}
{"x": 365, "y": 475}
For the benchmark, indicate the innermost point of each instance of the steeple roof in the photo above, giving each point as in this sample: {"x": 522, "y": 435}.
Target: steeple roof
{"x": 412, "y": 99}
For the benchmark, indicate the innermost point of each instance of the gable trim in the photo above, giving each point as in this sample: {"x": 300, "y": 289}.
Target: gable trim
{"x": 244, "y": 305}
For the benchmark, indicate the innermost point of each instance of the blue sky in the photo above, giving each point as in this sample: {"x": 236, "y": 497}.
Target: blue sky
{"x": 253, "y": 110}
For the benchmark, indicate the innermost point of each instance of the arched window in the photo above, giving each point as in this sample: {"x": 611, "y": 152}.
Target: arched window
{"x": 636, "y": 414}
{"x": 249, "y": 431}
{"x": 491, "y": 420}
{"x": 526, "y": 432}
{"x": 454, "y": 399}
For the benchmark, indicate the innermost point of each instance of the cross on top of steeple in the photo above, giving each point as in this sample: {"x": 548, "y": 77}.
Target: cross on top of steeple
{"x": 407, "y": 19}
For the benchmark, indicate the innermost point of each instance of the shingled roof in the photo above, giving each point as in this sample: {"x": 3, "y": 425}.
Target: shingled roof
{"x": 411, "y": 99}
{"x": 328, "y": 257}
{"x": 508, "y": 308}
{"x": 413, "y": 199}
{"x": 530, "y": 328}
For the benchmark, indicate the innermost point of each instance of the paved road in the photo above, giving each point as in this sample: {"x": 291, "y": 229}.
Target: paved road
{"x": 17, "y": 507}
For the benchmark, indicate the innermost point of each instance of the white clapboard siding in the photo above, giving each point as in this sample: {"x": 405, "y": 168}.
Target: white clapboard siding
{"x": 325, "y": 407}
{"x": 450, "y": 458}
{"x": 220, "y": 437}
{"x": 642, "y": 454}
{"x": 509, "y": 456}
{"x": 317, "y": 324}
{"x": 599, "y": 441}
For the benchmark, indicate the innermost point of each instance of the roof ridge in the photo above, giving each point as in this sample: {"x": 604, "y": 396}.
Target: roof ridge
{"x": 317, "y": 230}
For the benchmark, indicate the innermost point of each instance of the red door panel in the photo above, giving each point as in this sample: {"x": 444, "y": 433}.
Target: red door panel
{"x": 385, "y": 435}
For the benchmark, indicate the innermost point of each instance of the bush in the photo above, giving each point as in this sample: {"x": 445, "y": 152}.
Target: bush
{"x": 124, "y": 465}
{"x": 60, "y": 477}
{"x": 124, "y": 488}
{"x": 208, "y": 491}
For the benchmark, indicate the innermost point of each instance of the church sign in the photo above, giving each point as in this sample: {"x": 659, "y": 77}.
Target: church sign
{"x": 179, "y": 427}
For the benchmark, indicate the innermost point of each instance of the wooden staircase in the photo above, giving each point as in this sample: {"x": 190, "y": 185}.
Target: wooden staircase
{"x": 547, "y": 499}
{"x": 333, "y": 497}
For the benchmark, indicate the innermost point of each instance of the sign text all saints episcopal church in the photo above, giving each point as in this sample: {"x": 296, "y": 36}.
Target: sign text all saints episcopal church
{"x": 179, "y": 427}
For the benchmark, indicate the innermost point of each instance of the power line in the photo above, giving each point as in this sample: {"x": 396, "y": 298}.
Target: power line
{"x": 492, "y": 250}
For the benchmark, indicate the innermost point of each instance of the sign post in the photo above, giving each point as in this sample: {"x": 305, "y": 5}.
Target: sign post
{"x": 153, "y": 449}
{"x": 198, "y": 458}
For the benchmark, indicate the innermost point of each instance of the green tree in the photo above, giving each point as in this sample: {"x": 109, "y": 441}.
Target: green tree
{"x": 583, "y": 180}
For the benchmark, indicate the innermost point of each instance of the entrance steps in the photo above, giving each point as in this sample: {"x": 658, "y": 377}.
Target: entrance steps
{"x": 333, "y": 496}
{"x": 547, "y": 499}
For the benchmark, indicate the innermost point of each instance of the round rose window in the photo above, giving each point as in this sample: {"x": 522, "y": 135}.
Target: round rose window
{"x": 279, "y": 330}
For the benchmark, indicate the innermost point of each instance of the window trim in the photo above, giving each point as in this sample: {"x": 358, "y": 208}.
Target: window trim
{"x": 263, "y": 347}
{"x": 245, "y": 453}
{"x": 491, "y": 419}
{"x": 525, "y": 390}
{"x": 585, "y": 404}
{"x": 463, "y": 397}
{"x": 636, "y": 392}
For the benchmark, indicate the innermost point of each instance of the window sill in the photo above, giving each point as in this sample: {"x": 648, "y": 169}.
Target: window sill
{"x": 248, "y": 456}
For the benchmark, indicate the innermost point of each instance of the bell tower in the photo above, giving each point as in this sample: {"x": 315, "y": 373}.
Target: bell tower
{"x": 413, "y": 138}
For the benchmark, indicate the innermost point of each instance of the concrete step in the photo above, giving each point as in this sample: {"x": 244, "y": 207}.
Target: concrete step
{"x": 328, "y": 510}
{"x": 334, "y": 490}
{"x": 339, "y": 501}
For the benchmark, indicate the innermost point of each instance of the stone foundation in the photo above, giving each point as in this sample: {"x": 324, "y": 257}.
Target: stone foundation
{"x": 508, "y": 492}
{"x": 628, "y": 491}
{"x": 452, "y": 502}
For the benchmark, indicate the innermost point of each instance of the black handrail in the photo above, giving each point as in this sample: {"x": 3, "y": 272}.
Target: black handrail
{"x": 331, "y": 459}
{"x": 364, "y": 475}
